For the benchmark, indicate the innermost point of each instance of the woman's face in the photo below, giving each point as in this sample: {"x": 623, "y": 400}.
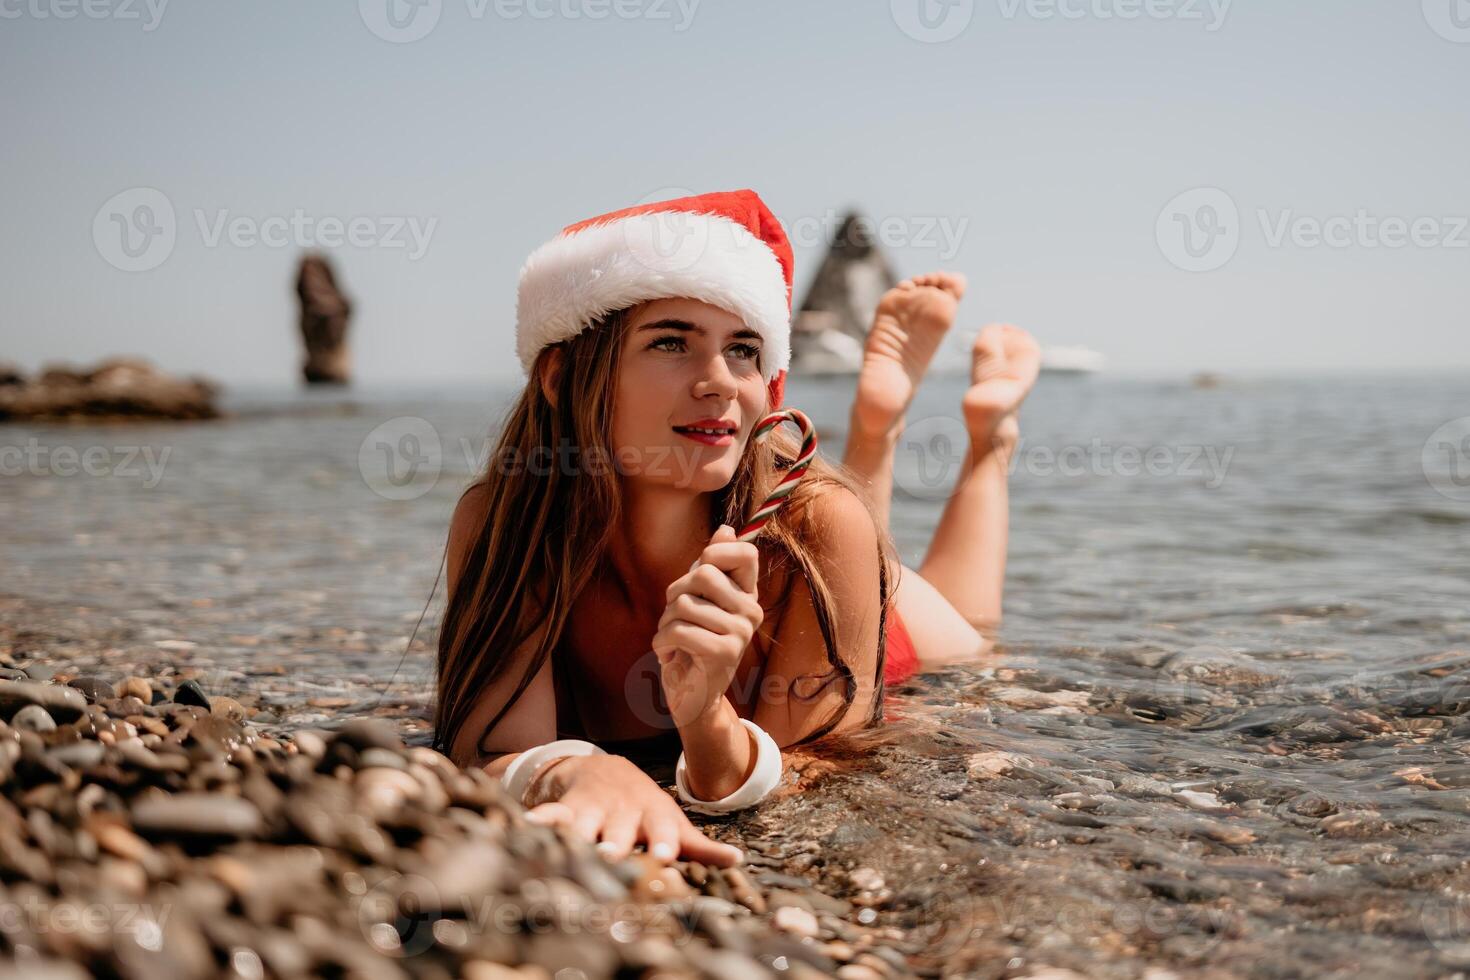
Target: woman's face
{"x": 686, "y": 365}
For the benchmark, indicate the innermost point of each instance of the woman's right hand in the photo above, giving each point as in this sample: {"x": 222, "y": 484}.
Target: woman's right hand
{"x": 609, "y": 801}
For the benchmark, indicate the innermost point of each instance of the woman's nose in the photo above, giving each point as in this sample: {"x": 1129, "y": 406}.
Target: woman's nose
{"x": 715, "y": 376}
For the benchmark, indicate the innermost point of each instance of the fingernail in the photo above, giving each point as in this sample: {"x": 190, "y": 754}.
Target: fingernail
{"x": 739, "y": 855}
{"x": 664, "y": 852}
{"x": 606, "y": 848}
{"x": 534, "y": 817}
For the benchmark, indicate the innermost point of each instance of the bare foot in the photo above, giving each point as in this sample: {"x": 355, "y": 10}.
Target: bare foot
{"x": 1005, "y": 363}
{"x": 908, "y": 327}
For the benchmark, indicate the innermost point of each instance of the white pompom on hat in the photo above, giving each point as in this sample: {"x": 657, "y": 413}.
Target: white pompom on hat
{"x": 725, "y": 248}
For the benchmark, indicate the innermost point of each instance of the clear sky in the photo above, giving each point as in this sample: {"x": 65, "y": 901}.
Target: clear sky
{"x": 1041, "y": 146}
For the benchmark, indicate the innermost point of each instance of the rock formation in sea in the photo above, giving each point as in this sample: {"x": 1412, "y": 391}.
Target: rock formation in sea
{"x": 833, "y": 320}
{"x": 117, "y": 388}
{"x": 325, "y": 312}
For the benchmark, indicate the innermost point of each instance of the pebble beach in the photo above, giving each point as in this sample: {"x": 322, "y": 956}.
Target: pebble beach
{"x": 1223, "y": 736}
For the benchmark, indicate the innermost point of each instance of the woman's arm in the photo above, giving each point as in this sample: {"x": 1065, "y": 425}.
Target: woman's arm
{"x": 602, "y": 798}
{"x": 718, "y": 749}
{"x": 848, "y": 560}
{"x": 531, "y": 721}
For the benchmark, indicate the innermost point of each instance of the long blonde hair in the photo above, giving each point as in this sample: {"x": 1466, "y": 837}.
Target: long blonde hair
{"x": 547, "y": 530}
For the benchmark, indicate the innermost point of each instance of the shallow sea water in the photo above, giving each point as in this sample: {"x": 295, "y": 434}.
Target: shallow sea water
{"x": 1225, "y": 732}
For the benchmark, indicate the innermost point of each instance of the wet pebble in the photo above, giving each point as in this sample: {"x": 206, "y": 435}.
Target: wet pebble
{"x": 197, "y": 814}
{"x": 33, "y": 718}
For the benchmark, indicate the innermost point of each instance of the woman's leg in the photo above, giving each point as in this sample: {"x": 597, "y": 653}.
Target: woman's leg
{"x": 967, "y": 556}
{"x": 951, "y": 606}
{"x": 909, "y": 325}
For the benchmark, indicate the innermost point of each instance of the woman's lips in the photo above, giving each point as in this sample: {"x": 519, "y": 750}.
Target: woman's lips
{"x": 708, "y": 438}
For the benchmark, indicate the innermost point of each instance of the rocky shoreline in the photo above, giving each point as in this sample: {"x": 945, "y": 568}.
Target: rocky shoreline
{"x": 148, "y": 828}
{"x": 117, "y": 389}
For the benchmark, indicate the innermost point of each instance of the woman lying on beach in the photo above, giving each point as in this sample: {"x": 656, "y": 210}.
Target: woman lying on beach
{"x": 596, "y": 589}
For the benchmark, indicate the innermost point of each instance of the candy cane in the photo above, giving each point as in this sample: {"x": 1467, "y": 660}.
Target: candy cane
{"x": 793, "y": 475}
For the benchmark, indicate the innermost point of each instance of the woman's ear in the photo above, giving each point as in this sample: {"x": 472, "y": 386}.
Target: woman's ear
{"x": 548, "y": 372}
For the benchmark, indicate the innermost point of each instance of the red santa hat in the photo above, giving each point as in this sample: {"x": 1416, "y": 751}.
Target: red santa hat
{"x": 726, "y": 249}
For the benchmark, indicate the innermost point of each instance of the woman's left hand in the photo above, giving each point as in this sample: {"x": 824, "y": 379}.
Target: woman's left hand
{"x": 710, "y": 618}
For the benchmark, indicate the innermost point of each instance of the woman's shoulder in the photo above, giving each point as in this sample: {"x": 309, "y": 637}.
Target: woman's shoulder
{"x": 470, "y": 516}
{"x": 829, "y": 505}
{"x": 836, "y": 528}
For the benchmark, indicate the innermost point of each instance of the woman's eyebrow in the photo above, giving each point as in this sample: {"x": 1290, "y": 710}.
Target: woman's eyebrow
{"x": 687, "y": 327}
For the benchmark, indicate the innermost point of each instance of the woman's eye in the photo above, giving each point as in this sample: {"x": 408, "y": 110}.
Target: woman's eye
{"x": 666, "y": 340}
{"x": 747, "y": 351}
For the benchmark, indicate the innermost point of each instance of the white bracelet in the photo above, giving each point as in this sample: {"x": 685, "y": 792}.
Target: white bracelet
{"x": 765, "y": 777}
{"x": 519, "y": 774}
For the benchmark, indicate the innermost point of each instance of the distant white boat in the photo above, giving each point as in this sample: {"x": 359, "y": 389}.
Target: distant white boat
{"x": 824, "y": 348}
{"x": 1071, "y": 360}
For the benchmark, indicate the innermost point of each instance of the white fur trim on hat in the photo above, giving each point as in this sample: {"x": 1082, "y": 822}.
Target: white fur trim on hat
{"x": 577, "y": 277}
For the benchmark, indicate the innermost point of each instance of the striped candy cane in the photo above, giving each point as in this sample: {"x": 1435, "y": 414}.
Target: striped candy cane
{"x": 793, "y": 475}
